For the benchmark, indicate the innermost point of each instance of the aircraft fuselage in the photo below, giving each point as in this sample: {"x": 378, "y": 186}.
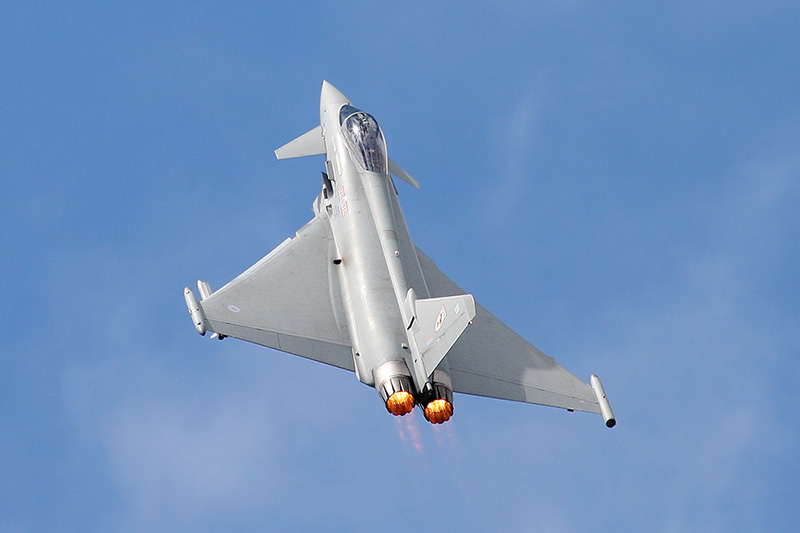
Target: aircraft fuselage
{"x": 377, "y": 261}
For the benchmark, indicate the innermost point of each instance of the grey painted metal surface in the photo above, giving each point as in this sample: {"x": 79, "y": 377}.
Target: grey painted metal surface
{"x": 351, "y": 290}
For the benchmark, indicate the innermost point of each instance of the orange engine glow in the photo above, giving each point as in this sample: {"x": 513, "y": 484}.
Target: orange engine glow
{"x": 400, "y": 403}
{"x": 438, "y": 411}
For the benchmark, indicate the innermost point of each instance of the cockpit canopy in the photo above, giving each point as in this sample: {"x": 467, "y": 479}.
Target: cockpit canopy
{"x": 365, "y": 139}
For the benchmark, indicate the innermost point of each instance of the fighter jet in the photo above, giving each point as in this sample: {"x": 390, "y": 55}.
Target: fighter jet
{"x": 351, "y": 290}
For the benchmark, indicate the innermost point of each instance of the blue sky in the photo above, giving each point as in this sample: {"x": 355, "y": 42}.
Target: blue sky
{"x": 617, "y": 182}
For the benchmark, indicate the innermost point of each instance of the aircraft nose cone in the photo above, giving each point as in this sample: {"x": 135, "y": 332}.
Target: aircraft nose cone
{"x": 330, "y": 96}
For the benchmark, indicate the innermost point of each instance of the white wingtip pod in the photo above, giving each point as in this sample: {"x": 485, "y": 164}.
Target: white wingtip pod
{"x": 198, "y": 317}
{"x": 605, "y": 407}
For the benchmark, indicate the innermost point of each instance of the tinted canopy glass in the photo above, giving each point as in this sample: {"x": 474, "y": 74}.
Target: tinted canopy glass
{"x": 365, "y": 139}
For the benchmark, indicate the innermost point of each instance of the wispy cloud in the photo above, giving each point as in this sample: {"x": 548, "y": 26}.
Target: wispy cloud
{"x": 174, "y": 453}
{"x": 696, "y": 376}
{"x": 517, "y": 141}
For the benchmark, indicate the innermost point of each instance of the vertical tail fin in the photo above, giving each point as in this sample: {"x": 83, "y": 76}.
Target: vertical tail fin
{"x": 438, "y": 324}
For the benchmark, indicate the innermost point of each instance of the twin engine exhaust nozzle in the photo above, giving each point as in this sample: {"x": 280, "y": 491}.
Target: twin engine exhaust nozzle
{"x": 437, "y": 397}
{"x": 397, "y": 392}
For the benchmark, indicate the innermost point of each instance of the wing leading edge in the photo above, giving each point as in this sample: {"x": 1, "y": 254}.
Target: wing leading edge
{"x": 289, "y": 301}
{"x": 491, "y": 360}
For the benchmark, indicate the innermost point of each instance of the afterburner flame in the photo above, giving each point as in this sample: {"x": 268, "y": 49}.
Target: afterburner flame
{"x": 400, "y": 403}
{"x": 438, "y": 411}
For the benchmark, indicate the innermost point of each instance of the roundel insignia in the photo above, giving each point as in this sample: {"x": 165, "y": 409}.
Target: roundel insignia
{"x": 234, "y": 309}
{"x": 440, "y": 319}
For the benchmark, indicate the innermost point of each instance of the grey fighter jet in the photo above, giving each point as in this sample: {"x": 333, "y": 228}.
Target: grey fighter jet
{"x": 351, "y": 290}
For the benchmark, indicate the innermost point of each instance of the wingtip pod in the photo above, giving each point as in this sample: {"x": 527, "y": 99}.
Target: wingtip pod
{"x": 198, "y": 317}
{"x": 605, "y": 407}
